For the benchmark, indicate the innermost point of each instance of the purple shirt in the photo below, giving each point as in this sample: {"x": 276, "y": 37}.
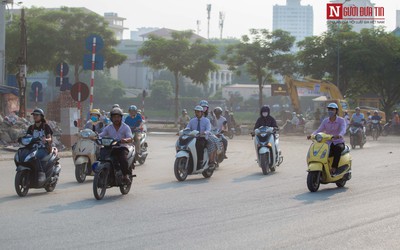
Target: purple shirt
{"x": 337, "y": 127}
{"x": 123, "y": 132}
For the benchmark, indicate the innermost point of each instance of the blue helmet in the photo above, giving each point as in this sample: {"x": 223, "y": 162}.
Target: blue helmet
{"x": 132, "y": 107}
{"x": 332, "y": 105}
{"x": 203, "y": 103}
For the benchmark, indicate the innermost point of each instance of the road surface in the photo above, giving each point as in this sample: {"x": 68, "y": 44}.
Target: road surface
{"x": 237, "y": 208}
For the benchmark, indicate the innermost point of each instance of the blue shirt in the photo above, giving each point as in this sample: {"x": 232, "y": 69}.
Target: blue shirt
{"x": 133, "y": 122}
{"x": 205, "y": 125}
{"x": 357, "y": 118}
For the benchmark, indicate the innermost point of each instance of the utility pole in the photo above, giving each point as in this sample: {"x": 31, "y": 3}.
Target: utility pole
{"x": 208, "y": 20}
{"x": 2, "y": 40}
{"x": 21, "y": 61}
{"x": 221, "y": 23}
{"x": 198, "y": 23}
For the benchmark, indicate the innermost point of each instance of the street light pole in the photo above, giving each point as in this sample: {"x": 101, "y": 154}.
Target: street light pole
{"x": 208, "y": 20}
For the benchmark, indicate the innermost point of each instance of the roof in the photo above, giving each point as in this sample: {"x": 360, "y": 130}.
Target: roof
{"x": 166, "y": 33}
{"x": 9, "y": 90}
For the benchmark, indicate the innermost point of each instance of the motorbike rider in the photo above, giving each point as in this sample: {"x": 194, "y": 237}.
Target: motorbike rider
{"x": 40, "y": 129}
{"x": 213, "y": 141}
{"x": 377, "y": 117}
{"x": 358, "y": 120}
{"x": 265, "y": 118}
{"x": 135, "y": 121}
{"x": 336, "y": 126}
{"x": 120, "y": 131}
{"x": 183, "y": 119}
{"x": 203, "y": 125}
{"x": 94, "y": 123}
{"x": 221, "y": 125}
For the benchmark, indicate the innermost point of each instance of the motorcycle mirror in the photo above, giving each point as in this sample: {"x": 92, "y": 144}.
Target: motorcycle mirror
{"x": 76, "y": 123}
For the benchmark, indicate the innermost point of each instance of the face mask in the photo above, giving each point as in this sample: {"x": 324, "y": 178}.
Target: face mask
{"x": 331, "y": 113}
{"x": 265, "y": 114}
{"x": 94, "y": 118}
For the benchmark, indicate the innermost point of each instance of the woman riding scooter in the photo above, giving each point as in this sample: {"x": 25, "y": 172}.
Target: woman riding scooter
{"x": 334, "y": 125}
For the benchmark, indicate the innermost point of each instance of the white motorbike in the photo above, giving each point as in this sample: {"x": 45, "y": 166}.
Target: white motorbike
{"x": 84, "y": 154}
{"x": 186, "y": 162}
{"x": 143, "y": 146}
{"x": 266, "y": 143}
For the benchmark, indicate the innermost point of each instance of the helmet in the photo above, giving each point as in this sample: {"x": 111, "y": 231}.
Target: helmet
{"x": 218, "y": 110}
{"x": 139, "y": 111}
{"x": 332, "y": 105}
{"x": 294, "y": 113}
{"x": 38, "y": 112}
{"x": 116, "y": 111}
{"x": 132, "y": 107}
{"x": 376, "y": 112}
{"x": 203, "y": 103}
{"x": 368, "y": 113}
{"x": 184, "y": 111}
{"x": 95, "y": 112}
{"x": 115, "y": 106}
{"x": 198, "y": 108}
{"x": 357, "y": 108}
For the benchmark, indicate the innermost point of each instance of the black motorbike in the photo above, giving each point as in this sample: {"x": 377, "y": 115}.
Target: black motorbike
{"x": 27, "y": 167}
{"x": 107, "y": 170}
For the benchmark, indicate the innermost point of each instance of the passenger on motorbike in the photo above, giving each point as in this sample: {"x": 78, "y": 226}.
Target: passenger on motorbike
{"x": 336, "y": 126}
{"x": 183, "y": 119}
{"x": 221, "y": 126}
{"x": 203, "y": 125}
{"x": 213, "y": 141}
{"x": 120, "y": 131}
{"x": 377, "y": 117}
{"x": 94, "y": 123}
{"x": 40, "y": 129}
{"x": 358, "y": 120}
{"x": 134, "y": 121}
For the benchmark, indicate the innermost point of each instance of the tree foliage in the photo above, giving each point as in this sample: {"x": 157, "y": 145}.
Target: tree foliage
{"x": 181, "y": 56}
{"x": 262, "y": 53}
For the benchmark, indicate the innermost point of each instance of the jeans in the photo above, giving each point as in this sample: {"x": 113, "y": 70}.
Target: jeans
{"x": 336, "y": 151}
{"x": 200, "y": 145}
{"x": 41, "y": 153}
{"x": 225, "y": 143}
{"x": 121, "y": 155}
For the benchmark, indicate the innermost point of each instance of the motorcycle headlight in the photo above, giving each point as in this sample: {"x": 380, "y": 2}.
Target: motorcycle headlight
{"x": 106, "y": 141}
{"x": 26, "y": 140}
{"x": 318, "y": 138}
{"x": 85, "y": 134}
{"x": 263, "y": 134}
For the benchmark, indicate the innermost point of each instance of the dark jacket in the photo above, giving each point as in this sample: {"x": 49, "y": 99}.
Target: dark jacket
{"x": 265, "y": 121}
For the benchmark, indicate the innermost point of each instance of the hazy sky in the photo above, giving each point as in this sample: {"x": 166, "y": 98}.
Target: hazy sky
{"x": 240, "y": 16}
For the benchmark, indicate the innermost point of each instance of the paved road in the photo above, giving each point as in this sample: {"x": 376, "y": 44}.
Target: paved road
{"x": 238, "y": 208}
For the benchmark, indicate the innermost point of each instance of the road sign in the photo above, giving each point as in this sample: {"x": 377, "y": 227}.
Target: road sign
{"x": 65, "y": 86}
{"x": 99, "y": 42}
{"x": 37, "y": 85}
{"x": 98, "y": 64}
{"x": 84, "y": 91}
{"x": 65, "y": 69}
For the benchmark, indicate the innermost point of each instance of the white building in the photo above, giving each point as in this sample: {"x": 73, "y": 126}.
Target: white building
{"x": 219, "y": 78}
{"x": 397, "y": 18}
{"x": 247, "y": 91}
{"x": 358, "y": 25}
{"x": 116, "y": 24}
{"x": 295, "y": 18}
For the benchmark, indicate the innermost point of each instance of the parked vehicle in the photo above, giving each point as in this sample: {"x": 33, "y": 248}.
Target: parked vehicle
{"x": 266, "y": 144}
{"x": 27, "y": 167}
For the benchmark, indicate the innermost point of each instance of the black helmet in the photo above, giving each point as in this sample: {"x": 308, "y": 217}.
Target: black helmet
{"x": 38, "y": 112}
{"x": 264, "y": 108}
{"x": 116, "y": 111}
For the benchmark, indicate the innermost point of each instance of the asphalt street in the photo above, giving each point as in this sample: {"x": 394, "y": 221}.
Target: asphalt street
{"x": 237, "y": 208}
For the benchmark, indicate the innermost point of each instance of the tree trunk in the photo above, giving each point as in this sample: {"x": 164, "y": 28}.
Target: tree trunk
{"x": 176, "y": 76}
{"x": 260, "y": 91}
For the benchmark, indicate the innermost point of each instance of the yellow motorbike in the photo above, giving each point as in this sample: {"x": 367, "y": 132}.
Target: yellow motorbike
{"x": 319, "y": 163}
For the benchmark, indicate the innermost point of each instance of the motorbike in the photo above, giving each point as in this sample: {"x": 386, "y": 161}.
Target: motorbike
{"x": 389, "y": 129}
{"x": 27, "y": 167}
{"x": 220, "y": 153}
{"x": 186, "y": 158}
{"x": 143, "y": 147}
{"x": 230, "y": 133}
{"x": 266, "y": 142}
{"x": 319, "y": 164}
{"x": 375, "y": 129}
{"x": 105, "y": 169}
{"x": 84, "y": 154}
{"x": 357, "y": 137}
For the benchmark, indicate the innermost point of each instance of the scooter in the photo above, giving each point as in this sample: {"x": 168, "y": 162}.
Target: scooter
{"x": 106, "y": 173}
{"x": 220, "y": 153}
{"x": 357, "y": 137}
{"x": 266, "y": 143}
{"x": 375, "y": 129}
{"x": 27, "y": 167}
{"x": 84, "y": 154}
{"x": 186, "y": 158}
{"x": 143, "y": 147}
{"x": 230, "y": 133}
{"x": 319, "y": 164}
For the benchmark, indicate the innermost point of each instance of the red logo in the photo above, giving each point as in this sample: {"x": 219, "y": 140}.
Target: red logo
{"x": 334, "y": 11}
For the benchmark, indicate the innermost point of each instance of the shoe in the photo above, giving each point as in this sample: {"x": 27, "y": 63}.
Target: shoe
{"x": 126, "y": 179}
{"x": 333, "y": 172}
{"x": 41, "y": 177}
{"x": 225, "y": 157}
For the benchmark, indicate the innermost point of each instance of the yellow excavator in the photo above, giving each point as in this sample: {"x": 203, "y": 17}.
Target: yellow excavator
{"x": 322, "y": 88}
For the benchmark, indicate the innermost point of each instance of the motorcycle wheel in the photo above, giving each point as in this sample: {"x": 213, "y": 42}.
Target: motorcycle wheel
{"x": 22, "y": 183}
{"x": 180, "y": 171}
{"x": 264, "y": 164}
{"x": 51, "y": 187}
{"x": 208, "y": 173}
{"x": 341, "y": 183}
{"x": 230, "y": 135}
{"x": 126, "y": 188}
{"x": 100, "y": 184}
{"x": 80, "y": 172}
{"x": 313, "y": 181}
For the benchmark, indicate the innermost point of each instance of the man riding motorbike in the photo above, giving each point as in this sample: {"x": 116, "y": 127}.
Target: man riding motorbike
{"x": 94, "y": 123}
{"x": 40, "y": 129}
{"x": 377, "y": 117}
{"x": 336, "y": 126}
{"x": 203, "y": 125}
{"x": 221, "y": 125}
{"x": 134, "y": 121}
{"x": 358, "y": 119}
{"x": 120, "y": 131}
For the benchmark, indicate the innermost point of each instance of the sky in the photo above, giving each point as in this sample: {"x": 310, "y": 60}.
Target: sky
{"x": 240, "y": 16}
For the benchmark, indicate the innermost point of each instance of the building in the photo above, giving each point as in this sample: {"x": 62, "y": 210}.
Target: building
{"x": 247, "y": 91}
{"x": 397, "y": 18}
{"x": 136, "y": 35}
{"x": 116, "y": 24}
{"x": 295, "y": 18}
{"x": 358, "y": 25}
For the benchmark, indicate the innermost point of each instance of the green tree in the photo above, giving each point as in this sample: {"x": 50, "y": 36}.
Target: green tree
{"x": 161, "y": 92}
{"x": 262, "y": 53}
{"x": 59, "y": 35}
{"x": 181, "y": 56}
